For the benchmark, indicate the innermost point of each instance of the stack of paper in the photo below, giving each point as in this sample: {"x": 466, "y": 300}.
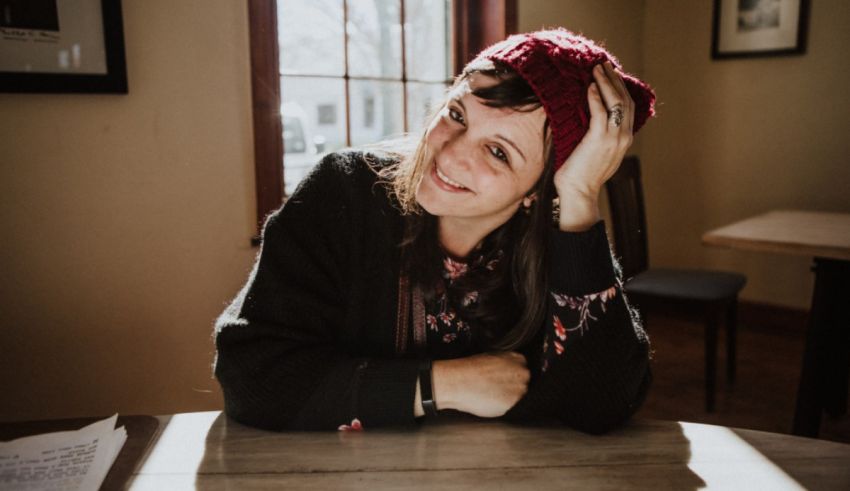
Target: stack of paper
{"x": 66, "y": 460}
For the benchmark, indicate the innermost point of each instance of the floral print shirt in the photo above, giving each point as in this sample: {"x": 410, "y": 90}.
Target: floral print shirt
{"x": 450, "y": 337}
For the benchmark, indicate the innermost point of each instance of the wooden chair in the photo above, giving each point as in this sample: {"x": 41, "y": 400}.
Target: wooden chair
{"x": 710, "y": 295}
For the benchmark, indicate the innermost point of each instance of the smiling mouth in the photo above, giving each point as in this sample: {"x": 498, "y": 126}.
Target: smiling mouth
{"x": 448, "y": 181}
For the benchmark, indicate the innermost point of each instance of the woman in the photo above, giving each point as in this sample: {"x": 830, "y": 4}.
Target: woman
{"x": 391, "y": 286}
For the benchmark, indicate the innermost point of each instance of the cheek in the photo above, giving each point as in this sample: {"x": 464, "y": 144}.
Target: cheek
{"x": 528, "y": 181}
{"x": 505, "y": 189}
{"x": 436, "y": 135}
{"x": 428, "y": 197}
{"x": 490, "y": 182}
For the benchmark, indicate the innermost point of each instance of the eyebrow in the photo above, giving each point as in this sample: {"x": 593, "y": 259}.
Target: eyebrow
{"x": 501, "y": 137}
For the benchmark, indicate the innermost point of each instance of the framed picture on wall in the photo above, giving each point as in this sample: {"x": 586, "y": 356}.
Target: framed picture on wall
{"x": 62, "y": 46}
{"x": 749, "y": 28}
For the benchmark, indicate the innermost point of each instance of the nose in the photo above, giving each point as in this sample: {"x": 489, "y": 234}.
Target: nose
{"x": 456, "y": 150}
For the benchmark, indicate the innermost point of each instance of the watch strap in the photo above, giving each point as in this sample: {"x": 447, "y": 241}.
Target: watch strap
{"x": 426, "y": 388}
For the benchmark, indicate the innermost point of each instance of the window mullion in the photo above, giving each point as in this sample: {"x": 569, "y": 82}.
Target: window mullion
{"x": 403, "y": 69}
{"x": 346, "y": 80}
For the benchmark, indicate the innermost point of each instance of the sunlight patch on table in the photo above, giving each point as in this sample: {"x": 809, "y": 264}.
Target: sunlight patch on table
{"x": 180, "y": 448}
{"x": 725, "y": 461}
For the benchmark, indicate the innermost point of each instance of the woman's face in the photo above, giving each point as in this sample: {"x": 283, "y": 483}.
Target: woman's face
{"x": 485, "y": 160}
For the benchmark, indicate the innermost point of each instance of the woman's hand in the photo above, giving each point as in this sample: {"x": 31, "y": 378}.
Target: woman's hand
{"x": 598, "y": 155}
{"x": 486, "y": 384}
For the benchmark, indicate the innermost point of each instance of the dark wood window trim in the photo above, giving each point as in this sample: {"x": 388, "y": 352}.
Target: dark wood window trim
{"x": 475, "y": 25}
{"x": 265, "y": 104}
{"x": 478, "y": 24}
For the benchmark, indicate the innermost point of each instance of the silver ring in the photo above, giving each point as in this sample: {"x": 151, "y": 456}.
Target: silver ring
{"x": 615, "y": 115}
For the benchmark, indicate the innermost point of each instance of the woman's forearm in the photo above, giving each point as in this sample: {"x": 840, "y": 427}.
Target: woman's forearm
{"x": 578, "y": 212}
{"x": 484, "y": 385}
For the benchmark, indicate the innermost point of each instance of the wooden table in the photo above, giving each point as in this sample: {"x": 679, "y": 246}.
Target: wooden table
{"x": 826, "y": 358}
{"x": 209, "y": 451}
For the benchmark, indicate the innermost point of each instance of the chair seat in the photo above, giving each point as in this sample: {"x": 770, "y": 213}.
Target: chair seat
{"x": 690, "y": 284}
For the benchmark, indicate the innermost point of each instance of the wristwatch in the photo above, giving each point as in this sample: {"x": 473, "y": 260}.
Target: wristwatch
{"x": 426, "y": 388}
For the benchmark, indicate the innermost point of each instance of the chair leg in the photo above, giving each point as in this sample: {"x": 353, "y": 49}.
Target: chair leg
{"x": 731, "y": 334}
{"x": 710, "y": 360}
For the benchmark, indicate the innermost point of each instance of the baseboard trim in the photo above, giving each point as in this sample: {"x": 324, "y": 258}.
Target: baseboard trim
{"x": 758, "y": 315}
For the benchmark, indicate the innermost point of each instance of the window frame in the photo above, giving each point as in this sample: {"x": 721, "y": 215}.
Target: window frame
{"x": 475, "y": 25}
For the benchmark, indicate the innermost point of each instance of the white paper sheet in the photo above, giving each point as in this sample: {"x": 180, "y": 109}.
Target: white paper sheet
{"x": 65, "y": 460}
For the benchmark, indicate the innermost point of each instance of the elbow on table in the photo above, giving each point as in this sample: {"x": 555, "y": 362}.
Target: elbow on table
{"x": 248, "y": 416}
{"x": 601, "y": 423}
{"x": 248, "y": 404}
{"x": 257, "y": 413}
{"x": 609, "y": 409}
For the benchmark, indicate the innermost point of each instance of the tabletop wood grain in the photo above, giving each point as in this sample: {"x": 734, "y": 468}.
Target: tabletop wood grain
{"x": 208, "y": 451}
{"x": 808, "y": 233}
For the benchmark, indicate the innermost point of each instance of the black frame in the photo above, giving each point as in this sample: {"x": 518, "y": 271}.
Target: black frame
{"x": 798, "y": 49}
{"x": 115, "y": 80}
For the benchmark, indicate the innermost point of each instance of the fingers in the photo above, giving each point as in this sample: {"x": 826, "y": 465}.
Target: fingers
{"x": 598, "y": 112}
{"x": 610, "y": 93}
{"x": 517, "y": 356}
{"x": 616, "y": 79}
{"x": 614, "y": 92}
{"x": 617, "y": 76}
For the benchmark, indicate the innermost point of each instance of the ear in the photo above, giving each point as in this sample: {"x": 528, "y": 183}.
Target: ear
{"x": 529, "y": 200}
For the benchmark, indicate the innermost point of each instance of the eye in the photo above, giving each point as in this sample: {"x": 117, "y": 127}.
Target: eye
{"x": 456, "y": 115}
{"x": 498, "y": 153}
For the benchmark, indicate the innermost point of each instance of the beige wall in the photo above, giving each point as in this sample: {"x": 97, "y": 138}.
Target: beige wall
{"x": 126, "y": 222}
{"x": 737, "y": 138}
{"x": 126, "y": 219}
{"x": 732, "y": 138}
{"x": 617, "y": 24}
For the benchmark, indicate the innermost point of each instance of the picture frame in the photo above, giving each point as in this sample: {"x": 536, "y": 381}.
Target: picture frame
{"x": 62, "y": 46}
{"x": 757, "y": 28}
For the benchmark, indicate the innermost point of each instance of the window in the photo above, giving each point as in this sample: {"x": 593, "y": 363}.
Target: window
{"x": 369, "y": 112}
{"x": 332, "y": 73}
{"x": 378, "y": 64}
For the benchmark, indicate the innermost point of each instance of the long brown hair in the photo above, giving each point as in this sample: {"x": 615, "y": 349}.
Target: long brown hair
{"x": 509, "y": 273}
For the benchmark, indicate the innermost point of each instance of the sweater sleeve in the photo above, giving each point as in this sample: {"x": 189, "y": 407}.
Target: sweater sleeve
{"x": 591, "y": 365}
{"x": 279, "y": 360}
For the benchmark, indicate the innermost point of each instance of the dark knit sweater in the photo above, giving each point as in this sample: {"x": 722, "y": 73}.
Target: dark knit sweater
{"x": 310, "y": 342}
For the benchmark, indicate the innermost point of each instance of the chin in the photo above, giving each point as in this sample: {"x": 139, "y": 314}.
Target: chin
{"x": 429, "y": 205}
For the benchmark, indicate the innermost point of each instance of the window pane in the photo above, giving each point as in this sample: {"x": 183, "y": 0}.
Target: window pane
{"x": 422, "y": 100}
{"x": 426, "y": 25}
{"x": 313, "y": 112}
{"x": 311, "y": 37}
{"x": 376, "y": 110}
{"x": 374, "y": 38}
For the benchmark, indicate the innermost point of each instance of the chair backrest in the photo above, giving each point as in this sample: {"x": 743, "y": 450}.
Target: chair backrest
{"x": 628, "y": 217}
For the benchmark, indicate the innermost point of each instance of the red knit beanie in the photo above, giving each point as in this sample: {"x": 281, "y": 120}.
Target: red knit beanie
{"x": 558, "y": 65}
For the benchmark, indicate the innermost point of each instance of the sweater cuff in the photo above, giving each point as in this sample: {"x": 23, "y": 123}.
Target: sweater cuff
{"x": 387, "y": 391}
{"x": 581, "y": 262}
